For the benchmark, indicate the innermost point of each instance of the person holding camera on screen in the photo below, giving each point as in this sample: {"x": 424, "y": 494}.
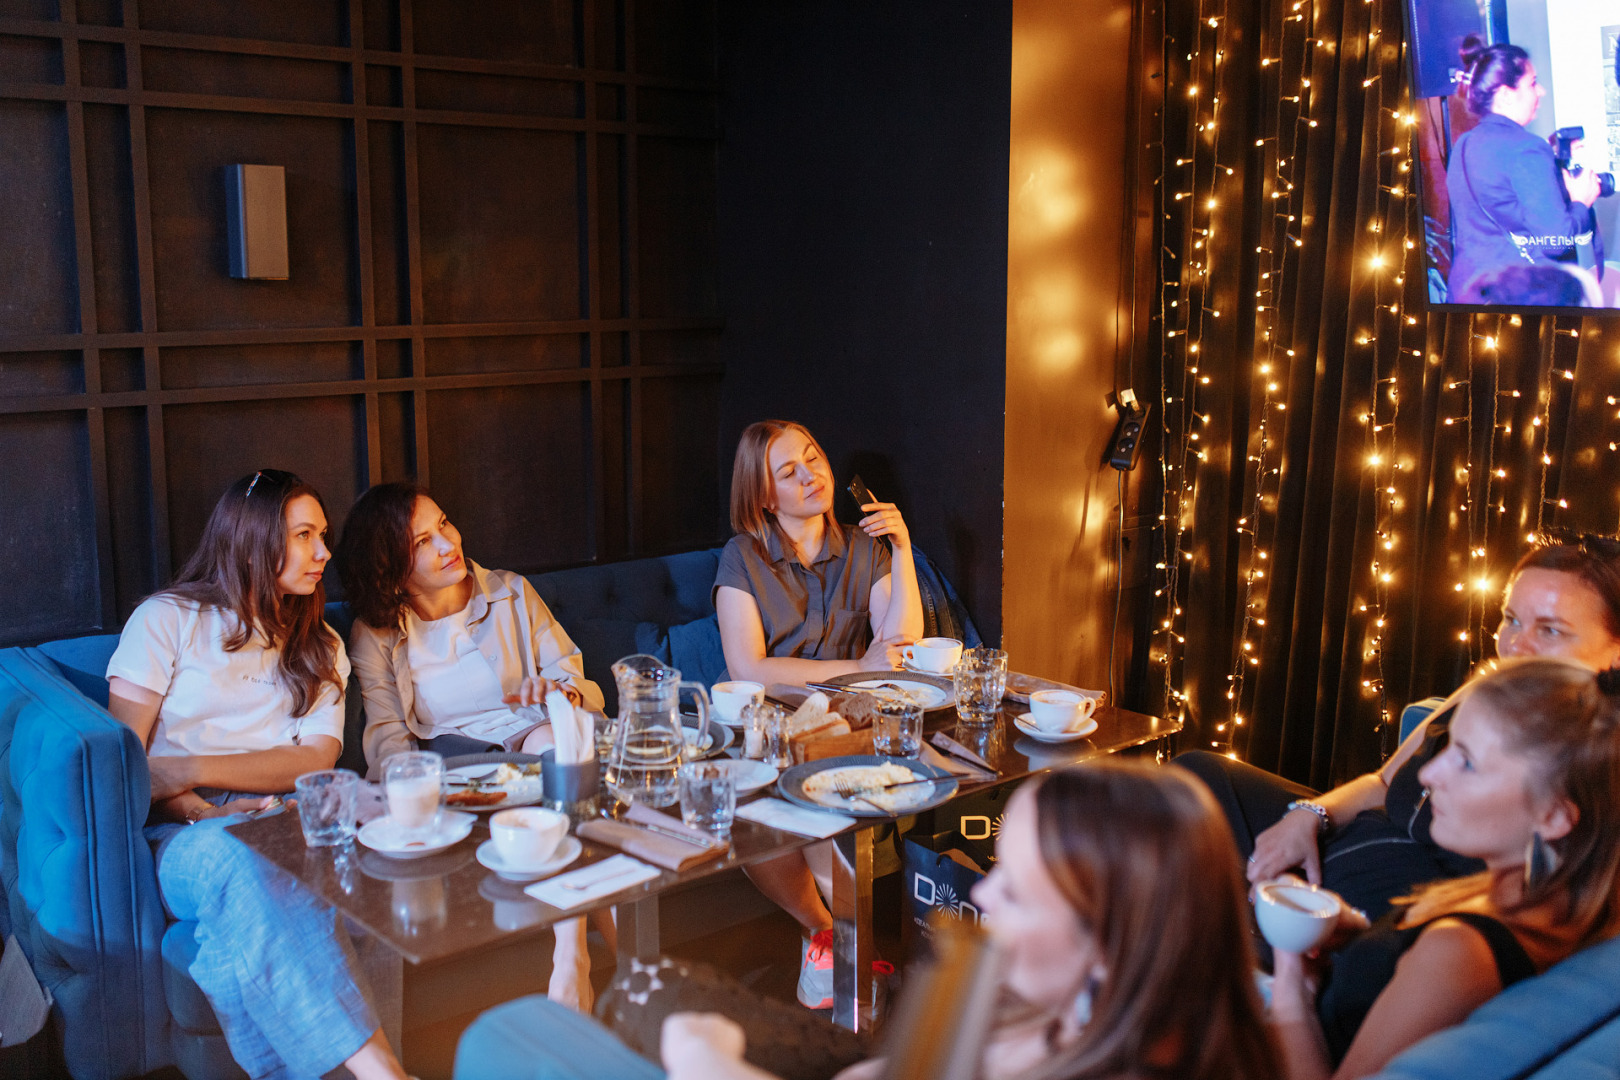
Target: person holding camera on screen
{"x": 1511, "y": 203}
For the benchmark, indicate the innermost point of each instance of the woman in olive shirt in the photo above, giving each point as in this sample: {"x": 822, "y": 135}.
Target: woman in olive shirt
{"x": 802, "y": 598}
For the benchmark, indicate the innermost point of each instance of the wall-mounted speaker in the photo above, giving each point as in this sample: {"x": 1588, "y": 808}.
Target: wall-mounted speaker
{"x": 256, "y": 220}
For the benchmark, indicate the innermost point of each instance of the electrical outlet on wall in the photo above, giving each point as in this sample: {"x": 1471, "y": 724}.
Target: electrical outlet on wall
{"x": 1127, "y": 440}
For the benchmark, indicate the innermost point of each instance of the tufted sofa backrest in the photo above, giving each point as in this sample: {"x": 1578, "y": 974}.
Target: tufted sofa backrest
{"x": 76, "y": 871}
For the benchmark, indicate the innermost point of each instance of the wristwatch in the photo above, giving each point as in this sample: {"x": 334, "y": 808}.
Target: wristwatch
{"x": 1323, "y": 822}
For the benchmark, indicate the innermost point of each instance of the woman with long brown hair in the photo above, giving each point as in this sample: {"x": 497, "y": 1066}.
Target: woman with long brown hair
{"x": 1529, "y": 785}
{"x": 234, "y": 684}
{"x": 1112, "y": 966}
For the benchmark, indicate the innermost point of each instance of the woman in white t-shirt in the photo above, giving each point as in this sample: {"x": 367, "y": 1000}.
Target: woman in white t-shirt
{"x": 449, "y": 654}
{"x": 234, "y": 683}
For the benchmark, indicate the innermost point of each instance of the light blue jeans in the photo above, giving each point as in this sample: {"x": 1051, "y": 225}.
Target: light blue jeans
{"x": 275, "y": 963}
{"x": 534, "y": 1038}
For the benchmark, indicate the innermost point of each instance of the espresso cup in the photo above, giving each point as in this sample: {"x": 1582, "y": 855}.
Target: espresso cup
{"x": 1294, "y": 916}
{"x": 527, "y": 836}
{"x": 1057, "y": 711}
{"x": 731, "y": 698}
{"x": 935, "y": 654}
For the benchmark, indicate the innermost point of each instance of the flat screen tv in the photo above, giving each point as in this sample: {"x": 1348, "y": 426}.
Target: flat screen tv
{"x": 1518, "y": 124}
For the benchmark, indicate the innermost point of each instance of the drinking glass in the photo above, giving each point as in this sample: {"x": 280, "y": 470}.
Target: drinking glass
{"x": 897, "y": 728}
{"x": 981, "y": 681}
{"x": 708, "y": 797}
{"x": 326, "y": 806}
{"x": 413, "y": 783}
{"x": 604, "y": 736}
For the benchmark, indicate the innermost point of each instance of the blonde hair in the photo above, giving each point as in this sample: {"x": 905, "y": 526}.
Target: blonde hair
{"x": 751, "y": 480}
{"x": 1566, "y": 720}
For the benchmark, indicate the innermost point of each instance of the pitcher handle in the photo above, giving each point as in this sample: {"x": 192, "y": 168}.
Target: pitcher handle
{"x": 701, "y": 693}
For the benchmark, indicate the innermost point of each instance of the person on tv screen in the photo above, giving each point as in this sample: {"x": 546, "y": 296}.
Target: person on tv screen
{"x": 1511, "y": 204}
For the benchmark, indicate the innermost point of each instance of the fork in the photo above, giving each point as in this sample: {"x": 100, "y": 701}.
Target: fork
{"x": 586, "y": 886}
{"x": 848, "y": 789}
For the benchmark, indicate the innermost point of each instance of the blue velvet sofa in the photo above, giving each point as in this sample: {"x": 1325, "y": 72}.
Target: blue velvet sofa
{"x": 77, "y": 884}
{"x": 77, "y": 877}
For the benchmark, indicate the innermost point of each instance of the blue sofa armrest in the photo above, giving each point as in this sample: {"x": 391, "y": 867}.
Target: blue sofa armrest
{"x": 77, "y": 872}
{"x": 1562, "y": 1025}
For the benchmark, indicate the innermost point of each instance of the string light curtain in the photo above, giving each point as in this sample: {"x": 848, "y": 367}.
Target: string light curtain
{"x": 1346, "y": 477}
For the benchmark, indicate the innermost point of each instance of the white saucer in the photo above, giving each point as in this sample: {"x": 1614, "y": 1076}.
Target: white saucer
{"x": 748, "y": 776}
{"x": 385, "y": 835}
{"x": 566, "y": 852}
{"x": 1061, "y": 737}
{"x": 907, "y": 665}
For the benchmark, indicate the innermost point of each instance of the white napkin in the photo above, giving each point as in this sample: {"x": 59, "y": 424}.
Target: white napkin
{"x": 795, "y": 819}
{"x": 594, "y": 882}
{"x": 570, "y": 730}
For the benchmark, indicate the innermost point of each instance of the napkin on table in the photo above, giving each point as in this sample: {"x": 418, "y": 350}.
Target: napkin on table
{"x": 670, "y": 852}
{"x": 954, "y": 766}
{"x": 795, "y": 819}
{"x": 596, "y": 880}
{"x": 571, "y": 730}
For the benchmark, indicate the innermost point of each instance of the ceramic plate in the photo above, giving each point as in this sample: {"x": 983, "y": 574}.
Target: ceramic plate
{"x": 566, "y": 852}
{"x": 524, "y": 791}
{"x": 749, "y": 776}
{"x": 927, "y": 796}
{"x": 1037, "y": 734}
{"x": 929, "y": 691}
{"x": 385, "y": 835}
{"x": 713, "y": 743}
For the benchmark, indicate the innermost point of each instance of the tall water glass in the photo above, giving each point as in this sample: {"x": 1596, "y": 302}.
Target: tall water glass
{"x": 981, "y": 681}
{"x": 326, "y": 806}
{"x": 708, "y": 797}
{"x": 413, "y": 784}
{"x": 897, "y": 728}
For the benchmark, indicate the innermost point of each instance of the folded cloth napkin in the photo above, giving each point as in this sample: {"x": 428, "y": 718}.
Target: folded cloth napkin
{"x": 662, "y": 849}
{"x": 954, "y": 766}
{"x": 592, "y": 882}
{"x": 570, "y": 730}
{"x": 795, "y": 819}
{"x": 1019, "y": 687}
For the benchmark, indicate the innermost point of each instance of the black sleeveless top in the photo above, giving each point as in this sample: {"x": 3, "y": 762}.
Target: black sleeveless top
{"x": 1363, "y": 968}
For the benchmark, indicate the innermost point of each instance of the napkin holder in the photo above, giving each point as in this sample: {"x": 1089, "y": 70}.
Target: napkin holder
{"x": 570, "y": 788}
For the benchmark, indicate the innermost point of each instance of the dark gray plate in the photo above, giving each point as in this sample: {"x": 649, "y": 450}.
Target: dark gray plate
{"x": 942, "y": 685}
{"x": 791, "y": 785}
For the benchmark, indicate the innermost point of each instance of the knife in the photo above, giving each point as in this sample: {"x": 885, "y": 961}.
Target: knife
{"x": 942, "y": 741}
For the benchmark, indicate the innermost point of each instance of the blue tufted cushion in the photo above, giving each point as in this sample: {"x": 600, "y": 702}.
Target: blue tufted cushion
{"x": 1562, "y": 1025}
{"x": 616, "y": 609}
{"x": 694, "y": 648}
{"x": 76, "y": 870}
{"x": 83, "y": 662}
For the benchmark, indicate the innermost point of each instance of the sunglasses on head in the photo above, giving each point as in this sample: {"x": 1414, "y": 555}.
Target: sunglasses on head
{"x": 1595, "y": 545}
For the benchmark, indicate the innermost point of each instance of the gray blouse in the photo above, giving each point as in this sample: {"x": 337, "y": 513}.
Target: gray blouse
{"x": 816, "y": 612}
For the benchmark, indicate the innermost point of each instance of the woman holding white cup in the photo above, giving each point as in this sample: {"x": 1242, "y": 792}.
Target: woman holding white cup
{"x": 1528, "y": 786}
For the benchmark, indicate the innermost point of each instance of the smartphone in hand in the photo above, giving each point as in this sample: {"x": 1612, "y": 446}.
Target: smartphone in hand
{"x": 859, "y": 492}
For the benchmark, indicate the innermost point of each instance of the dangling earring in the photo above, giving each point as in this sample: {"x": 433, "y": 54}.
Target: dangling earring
{"x": 1540, "y": 863}
{"x": 1081, "y": 1010}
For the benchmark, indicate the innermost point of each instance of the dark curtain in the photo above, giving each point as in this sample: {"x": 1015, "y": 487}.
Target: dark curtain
{"x": 1347, "y": 476}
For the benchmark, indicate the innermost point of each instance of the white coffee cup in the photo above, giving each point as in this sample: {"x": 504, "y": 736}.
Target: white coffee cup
{"x": 1057, "y": 711}
{"x": 527, "y": 836}
{"x": 936, "y": 654}
{"x": 1295, "y": 916}
{"x": 731, "y": 698}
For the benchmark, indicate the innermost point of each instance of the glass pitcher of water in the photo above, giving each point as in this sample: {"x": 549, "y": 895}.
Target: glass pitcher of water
{"x": 648, "y": 744}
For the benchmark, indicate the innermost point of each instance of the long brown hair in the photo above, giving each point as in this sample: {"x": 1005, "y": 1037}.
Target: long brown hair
{"x": 751, "y": 478}
{"x": 1148, "y": 863}
{"x": 374, "y": 555}
{"x": 235, "y": 567}
{"x": 1566, "y": 721}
